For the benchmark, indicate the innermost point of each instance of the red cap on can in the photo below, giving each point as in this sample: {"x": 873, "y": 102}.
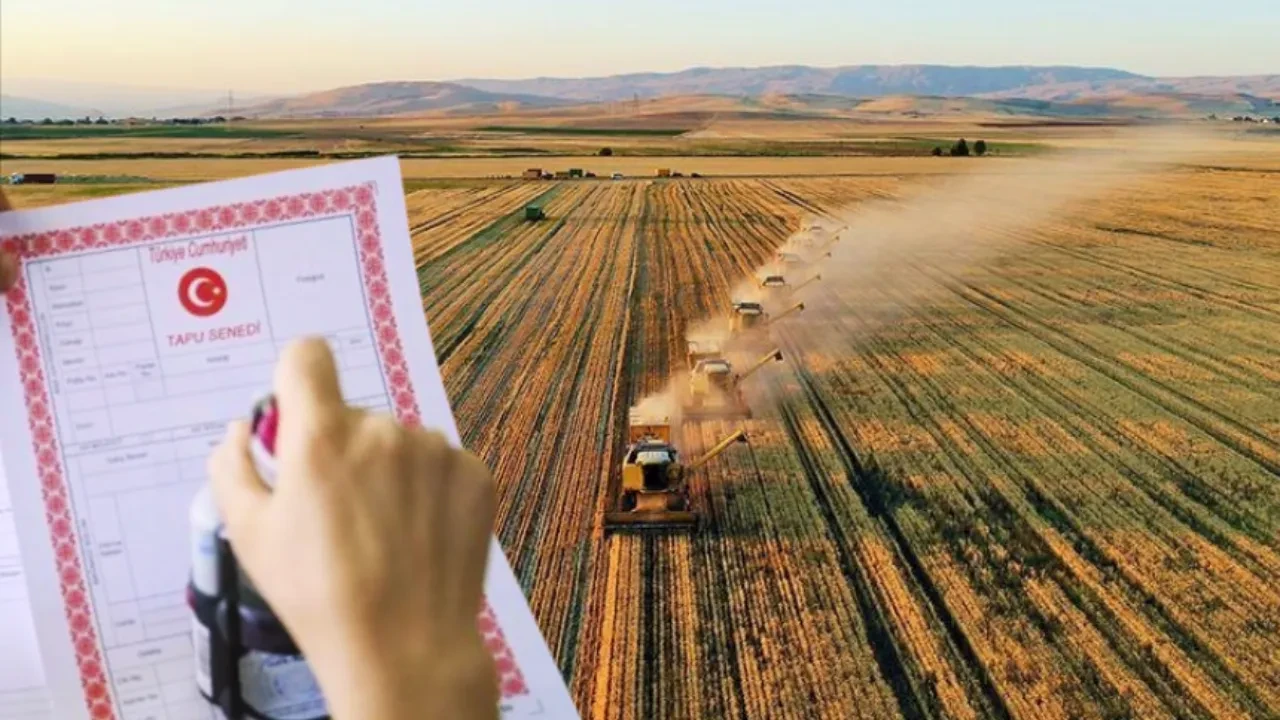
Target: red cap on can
{"x": 266, "y": 421}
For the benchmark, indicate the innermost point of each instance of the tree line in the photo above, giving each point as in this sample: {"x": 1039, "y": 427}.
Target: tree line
{"x": 961, "y": 149}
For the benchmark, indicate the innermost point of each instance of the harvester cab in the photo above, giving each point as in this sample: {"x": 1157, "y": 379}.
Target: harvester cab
{"x": 702, "y": 350}
{"x": 715, "y": 372}
{"x": 746, "y": 315}
{"x": 715, "y": 392}
{"x": 653, "y": 494}
{"x": 775, "y": 288}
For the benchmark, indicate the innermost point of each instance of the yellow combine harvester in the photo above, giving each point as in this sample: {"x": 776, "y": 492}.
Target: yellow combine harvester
{"x": 750, "y": 316}
{"x": 775, "y": 284}
{"x": 701, "y": 349}
{"x": 746, "y": 315}
{"x": 794, "y": 262}
{"x": 715, "y": 392}
{"x": 653, "y": 493}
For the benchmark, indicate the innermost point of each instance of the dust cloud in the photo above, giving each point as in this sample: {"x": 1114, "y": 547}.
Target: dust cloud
{"x": 895, "y": 249}
{"x": 957, "y": 226}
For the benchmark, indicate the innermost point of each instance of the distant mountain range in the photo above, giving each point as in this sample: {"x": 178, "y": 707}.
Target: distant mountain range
{"x": 1083, "y": 88}
{"x": 24, "y": 108}
{"x": 850, "y": 81}
{"x": 1042, "y": 83}
{"x": 1072, "y": 89}
{"x": 397, "y": 98}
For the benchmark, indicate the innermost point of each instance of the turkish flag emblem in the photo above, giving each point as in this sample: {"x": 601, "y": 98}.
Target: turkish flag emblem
{"x": 202, "y": 292}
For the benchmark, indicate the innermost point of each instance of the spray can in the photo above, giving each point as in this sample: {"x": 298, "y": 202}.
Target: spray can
{"x": 247, "y": 666}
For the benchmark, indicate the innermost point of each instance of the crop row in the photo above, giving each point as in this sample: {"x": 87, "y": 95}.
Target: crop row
{"x": 1046, "y": 490}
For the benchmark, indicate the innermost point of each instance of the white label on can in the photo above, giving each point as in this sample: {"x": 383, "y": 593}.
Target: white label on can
{"x": 204, "y": 663}
{"x": 280, "y": 686}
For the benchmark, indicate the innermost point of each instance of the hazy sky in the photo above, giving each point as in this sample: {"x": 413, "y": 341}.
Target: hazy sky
{"x": 297, "y": 45}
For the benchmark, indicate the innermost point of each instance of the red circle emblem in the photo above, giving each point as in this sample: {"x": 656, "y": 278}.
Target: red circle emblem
{"x": 202, "y": 292}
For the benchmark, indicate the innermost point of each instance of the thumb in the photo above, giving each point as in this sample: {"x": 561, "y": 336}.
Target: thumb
{"x": 241, "y": 494}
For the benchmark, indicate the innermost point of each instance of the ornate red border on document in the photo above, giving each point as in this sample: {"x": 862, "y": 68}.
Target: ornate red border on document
{"x": 356, "y": 200}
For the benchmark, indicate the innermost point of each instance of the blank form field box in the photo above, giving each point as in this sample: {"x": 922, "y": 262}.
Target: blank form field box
{"x": 85, "y": 400}
{"x": 70, "y": 323}
{"x": 90, "y": 425}
{"x": 154, "y": 517}
{"x": 120, "y": 394}
{"x": 151, "y": 654}
{"x": 253, "y": 380}
{"x": 84, "y": 379}
{"x": 112, "y": 279}
{"x": 126, "y": 459}
{"x": 117, "y": 374}
{"x": 114, "y": 571}
{"x": 129, "y": 479}
{"x": 73, "y": 361}
{"x": 109, "y": 261}
{"x": 180, "y": 691}
{"x": 60, "y": 286}
{"x": 135, "y": 679}
{"x": 126, "y": 623}
{"x": 359, "y": 358}
{"x": 122, "y": 334}
{"x": 176, "y": 670}
{"x": 362, "y": 384}
{"x": 104, "y": 520}
{"x": 219, "y": 358}
{"x": 142, "y": 705}
{"x": 70, "y": 304}
{"x": 196, "y": 448}
{"x": 315, "y": 287}
{"x": 165, "y": 617}
{"x": 145, "y": 392}
{"x": 127, "y": 353}
{"x": 72, "y": 343}
{"x": 165, "y": 413}
{"x": 102, "y": 318}
{"x": 122, "y": 297}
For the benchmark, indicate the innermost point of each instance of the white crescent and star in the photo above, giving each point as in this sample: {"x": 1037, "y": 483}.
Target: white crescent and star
{"x": 198, "y": 298}
{"x": 202, "y": 292}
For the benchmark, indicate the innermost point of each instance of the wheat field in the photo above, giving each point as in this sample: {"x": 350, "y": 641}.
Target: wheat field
{"x": 1048, "y": 487}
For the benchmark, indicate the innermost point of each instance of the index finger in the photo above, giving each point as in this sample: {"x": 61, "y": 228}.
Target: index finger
{"x": 8, "y": 263}
{"x": 306, "y": 387}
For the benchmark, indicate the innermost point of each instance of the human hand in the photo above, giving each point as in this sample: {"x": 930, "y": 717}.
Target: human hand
{"x": 371, "y": 549}
{"x": 8, "y": 263}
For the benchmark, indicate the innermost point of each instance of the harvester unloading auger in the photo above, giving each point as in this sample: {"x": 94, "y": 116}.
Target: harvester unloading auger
{"x": 789, "y": 311}
{"x": 716, "y": 392}
{"x": 805, "y": 284}
{"x": 653, "y": 493}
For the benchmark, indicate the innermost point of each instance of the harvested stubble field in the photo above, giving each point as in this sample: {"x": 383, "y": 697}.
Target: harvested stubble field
{"x": 1051, "y": 490}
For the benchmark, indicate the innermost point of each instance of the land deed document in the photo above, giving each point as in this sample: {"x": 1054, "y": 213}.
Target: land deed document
{"x": 22, "y": 692}
{"x": 139, "y": 327}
